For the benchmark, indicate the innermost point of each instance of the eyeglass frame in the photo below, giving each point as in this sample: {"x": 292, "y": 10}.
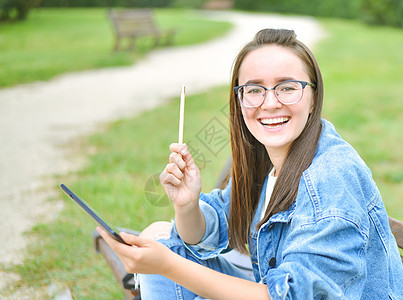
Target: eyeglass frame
{"x": 303, "y": 83}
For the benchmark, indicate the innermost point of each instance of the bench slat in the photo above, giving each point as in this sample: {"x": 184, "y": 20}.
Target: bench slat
{"x": 134, "y": 23}
{"x": 397, "y": 230}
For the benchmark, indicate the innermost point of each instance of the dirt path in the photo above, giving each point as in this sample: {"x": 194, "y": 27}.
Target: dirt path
{"x": 38, "y": 120}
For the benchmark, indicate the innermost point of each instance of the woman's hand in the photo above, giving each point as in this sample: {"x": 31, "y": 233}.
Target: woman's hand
{"x": 145, "y": 256}
{"x": 151, "y": 257}
{"x": 181, "y": 177}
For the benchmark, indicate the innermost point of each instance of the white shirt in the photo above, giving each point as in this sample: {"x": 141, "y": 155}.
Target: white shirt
{"x": 269, "y": 190}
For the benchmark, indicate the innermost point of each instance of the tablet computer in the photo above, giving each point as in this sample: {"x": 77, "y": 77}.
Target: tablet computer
{"x": 113, "y": 232}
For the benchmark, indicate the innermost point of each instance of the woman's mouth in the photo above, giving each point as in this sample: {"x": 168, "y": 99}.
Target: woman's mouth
{"x": 274, "y": 122}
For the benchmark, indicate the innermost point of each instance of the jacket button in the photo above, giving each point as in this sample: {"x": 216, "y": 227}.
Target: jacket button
{"x": 272, "y": 262}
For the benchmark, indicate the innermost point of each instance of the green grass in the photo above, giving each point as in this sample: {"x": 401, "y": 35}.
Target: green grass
{"x": 114, "y": 182}
{"x": 362, "y": 71}
{"x": 55, "y": 41}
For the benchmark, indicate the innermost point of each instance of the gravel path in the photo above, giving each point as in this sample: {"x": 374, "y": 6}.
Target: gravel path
{"x": 38, "y": 121}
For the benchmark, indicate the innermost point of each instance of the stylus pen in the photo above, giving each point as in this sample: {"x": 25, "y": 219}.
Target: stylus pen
{"x": 181, "y": 115}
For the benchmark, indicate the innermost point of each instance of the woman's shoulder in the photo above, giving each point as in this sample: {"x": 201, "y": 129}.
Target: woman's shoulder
{"x": 335, "y": 157}
{"x": 338, "y": 181}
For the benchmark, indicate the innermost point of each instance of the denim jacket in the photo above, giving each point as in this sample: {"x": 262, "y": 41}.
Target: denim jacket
{"x": 334, "y": 242}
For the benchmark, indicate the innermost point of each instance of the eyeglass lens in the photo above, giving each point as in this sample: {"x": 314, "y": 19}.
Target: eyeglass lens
{"x": 286, "y": 93}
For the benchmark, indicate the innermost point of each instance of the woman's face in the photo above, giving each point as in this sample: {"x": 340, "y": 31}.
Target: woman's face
{"x": 273, "y": 124}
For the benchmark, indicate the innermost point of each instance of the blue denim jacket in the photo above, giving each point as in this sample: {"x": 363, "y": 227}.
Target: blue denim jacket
{"x": 334, "y": 242}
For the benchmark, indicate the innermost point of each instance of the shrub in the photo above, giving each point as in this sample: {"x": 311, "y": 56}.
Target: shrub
{"x": 106, "y": 3}
{"x": 386, "y": 12}
{"x": 377, "y": 12}
{"x": 16, "y": 9}
{"x": 189, "y": 3}
{"x": 339, "y": 8}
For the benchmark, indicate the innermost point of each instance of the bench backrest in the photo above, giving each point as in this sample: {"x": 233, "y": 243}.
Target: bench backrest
{"x": 397, "y": 230}
{"x": 133, "y": 22}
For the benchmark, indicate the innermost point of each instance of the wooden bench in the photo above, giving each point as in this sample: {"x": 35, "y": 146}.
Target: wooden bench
{"x": 397, "y": 230}
{"x": 134, "y": 23}
{"x": 242, "y": 261}
{"x": 219, "y": 4}
{"x": 125, "y": 280}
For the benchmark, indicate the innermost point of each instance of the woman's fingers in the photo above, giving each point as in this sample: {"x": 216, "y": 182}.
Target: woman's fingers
{"x": 168, "y": 178}
{"x": 174, "y": 170}
{"x": 124, "y": 252}
{"x": 181, "y": 150}
{"x": 144, "y": 256}
{"x": 133, "y": 239}
{"x": 178, "y": 148}
{"x": 115, "y": 245}
{"x": 186, "y": 157}
{"x": 130, "y": 239}
{"x": 177, "y": 159}
{"x": 181, "y": 176}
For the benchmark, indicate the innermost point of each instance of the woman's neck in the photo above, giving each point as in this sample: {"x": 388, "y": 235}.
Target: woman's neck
{"x": 277, "y": 157}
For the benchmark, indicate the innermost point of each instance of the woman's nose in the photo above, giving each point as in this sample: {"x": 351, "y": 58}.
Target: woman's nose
{"x": 270, "y": 101}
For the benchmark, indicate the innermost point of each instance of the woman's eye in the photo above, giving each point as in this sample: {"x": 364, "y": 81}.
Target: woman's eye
{"x": 254, "y": 91}
{"x": 287, "y": 89}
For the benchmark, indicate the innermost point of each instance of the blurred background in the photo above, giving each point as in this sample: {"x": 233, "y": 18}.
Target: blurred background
{"x": 27, "y": 24}
{"x": 77, "y": 109}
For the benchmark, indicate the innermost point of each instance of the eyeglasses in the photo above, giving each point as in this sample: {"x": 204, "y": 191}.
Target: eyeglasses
{"x": 287, "y": 92}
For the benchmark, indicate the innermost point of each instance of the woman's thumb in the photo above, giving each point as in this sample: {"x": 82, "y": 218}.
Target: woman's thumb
{"x": 132, "y": 239}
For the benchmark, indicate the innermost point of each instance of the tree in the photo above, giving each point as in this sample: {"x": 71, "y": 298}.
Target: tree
{"x": 386, "y": 12}
{"x": 16, "y": 9}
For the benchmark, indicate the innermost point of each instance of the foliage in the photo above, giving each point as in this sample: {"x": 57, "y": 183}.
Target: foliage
{"x": 386, "y": 12}
{"x": 16, "y": 9}
{"x": 106, "y": 3}
{"x": 189, "y": 3}
{"x": 339, "y": 8}
{"x": 123, "y": 3}
{"x": 378, "y": 12}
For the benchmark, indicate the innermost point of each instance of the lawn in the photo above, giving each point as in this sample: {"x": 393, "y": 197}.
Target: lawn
{"x": 55, "y": 41}
{"x": 362, "y": 68}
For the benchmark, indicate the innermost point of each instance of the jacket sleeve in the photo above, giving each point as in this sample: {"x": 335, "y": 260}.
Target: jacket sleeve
{"x": 320, "y": 262}
{"x": 214, "y": 206}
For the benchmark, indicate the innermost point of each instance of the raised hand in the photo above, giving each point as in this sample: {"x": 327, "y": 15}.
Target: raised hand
{"x": 181, "y": 177}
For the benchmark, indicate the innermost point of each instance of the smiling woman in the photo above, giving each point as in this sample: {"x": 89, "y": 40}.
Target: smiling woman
{"x": 114, "y": 177}
{"x": 284, "y": 112}
{"x": 300, "y": 201}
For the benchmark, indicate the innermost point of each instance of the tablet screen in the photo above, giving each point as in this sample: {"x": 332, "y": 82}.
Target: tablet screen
{"x": 96, "y": 216}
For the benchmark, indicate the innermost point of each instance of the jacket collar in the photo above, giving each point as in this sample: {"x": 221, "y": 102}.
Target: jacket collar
{"x": 282, "y": 216}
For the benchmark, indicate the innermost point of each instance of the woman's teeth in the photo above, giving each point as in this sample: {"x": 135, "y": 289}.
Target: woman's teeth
{"x": 274, "y": 122}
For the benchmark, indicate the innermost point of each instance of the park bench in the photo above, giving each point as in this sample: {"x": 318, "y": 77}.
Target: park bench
{"x": 218, "y": 4}
{"x": 242, "y": 261}
{"x": 134, "y": 23}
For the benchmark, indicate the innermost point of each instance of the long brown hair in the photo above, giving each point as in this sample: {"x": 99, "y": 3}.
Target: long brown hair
{"x": 250, "y": 161}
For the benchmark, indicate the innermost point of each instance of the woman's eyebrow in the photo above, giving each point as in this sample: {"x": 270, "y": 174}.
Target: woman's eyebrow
{"x": 281, "y": 79}
{"x": 254, "y": 81}
{"x": 276, "y": 80}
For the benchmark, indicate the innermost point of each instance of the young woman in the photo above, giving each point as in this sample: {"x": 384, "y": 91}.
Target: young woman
{"x": 300, "y": 200}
